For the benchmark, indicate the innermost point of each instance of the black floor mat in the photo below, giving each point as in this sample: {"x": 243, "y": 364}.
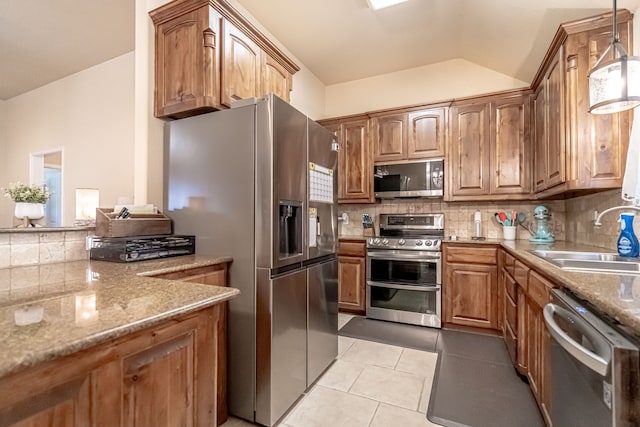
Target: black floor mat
{"x": 476, "y": 385}
{"x": 411, "y": 336}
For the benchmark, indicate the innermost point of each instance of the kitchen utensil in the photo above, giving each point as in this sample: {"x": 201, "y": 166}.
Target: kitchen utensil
{"x": 498, "y": 220}
{"x": 509, "y": 220}
{"x": 503, "y": 217}
{"x": 521, "y": 217}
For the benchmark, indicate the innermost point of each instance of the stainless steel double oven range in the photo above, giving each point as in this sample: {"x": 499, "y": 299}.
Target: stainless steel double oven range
{"x": 404, "y": 269}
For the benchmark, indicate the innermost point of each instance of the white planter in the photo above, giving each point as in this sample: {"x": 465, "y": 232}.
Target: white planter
{"x": 29, "y": 210}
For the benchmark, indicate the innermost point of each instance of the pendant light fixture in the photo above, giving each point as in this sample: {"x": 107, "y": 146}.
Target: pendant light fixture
{"x": 614, "y": 85}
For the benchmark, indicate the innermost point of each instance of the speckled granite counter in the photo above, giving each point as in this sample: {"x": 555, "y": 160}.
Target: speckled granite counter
{"x": 67, "y": 307}
{"x": 615, "y": 295}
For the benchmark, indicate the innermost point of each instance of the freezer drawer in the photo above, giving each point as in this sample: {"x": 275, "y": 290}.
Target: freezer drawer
{"x": 322, "y": 334}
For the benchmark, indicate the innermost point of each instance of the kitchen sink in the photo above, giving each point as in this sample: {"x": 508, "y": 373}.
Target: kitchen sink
{"x": 597, "y": 262}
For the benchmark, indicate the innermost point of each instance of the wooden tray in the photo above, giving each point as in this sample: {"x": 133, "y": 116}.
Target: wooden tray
{"x": 135, "y": 225}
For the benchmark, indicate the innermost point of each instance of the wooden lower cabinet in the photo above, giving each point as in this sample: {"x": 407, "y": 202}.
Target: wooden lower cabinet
{"x": 161, "y": 376}
{"x": 532, "y": 340}
{"x": 538, "y": 341}
{"x": 469, "y": 289}
{"x": 212, "y": 275}
{"x": 351, "y": 276}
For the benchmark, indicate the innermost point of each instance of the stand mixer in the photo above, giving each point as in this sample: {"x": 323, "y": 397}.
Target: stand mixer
{"x": 542, "y": 231}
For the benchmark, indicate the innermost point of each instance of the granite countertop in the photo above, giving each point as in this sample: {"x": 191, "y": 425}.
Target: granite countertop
{"x": 51, "y": 310}
{"x": 617, "y": 296}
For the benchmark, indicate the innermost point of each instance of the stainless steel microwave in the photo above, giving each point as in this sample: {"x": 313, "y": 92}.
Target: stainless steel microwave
{"x": 410, "y": 179}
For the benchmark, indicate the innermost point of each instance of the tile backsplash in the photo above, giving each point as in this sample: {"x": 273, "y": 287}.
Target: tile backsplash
{"x": 580, "y": 211}
{"x": 32, "y": 247}
{"x": 458, "y": 215}
{"x": 572, "y": 218}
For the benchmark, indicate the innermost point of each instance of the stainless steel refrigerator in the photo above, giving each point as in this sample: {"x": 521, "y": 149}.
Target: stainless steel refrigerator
{"x": 258, "y": 182}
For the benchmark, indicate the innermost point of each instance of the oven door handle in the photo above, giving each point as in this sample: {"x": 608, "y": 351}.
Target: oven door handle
{"x": 593, "y": 361}
{"x": 426, "y": 257}
{"x": 433, "y": 288}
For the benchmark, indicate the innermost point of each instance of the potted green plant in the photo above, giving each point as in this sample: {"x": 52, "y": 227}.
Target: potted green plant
{"x": 30, "y": 199}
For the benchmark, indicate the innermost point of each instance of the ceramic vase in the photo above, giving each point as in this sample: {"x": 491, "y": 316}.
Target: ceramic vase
{"x": 29, "y": 210}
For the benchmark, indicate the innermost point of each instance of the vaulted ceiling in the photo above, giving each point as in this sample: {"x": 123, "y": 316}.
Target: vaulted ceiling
{"x": 337, "y": 40}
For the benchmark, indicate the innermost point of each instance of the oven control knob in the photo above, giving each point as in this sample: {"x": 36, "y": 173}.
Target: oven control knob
{"x": 385, "y": 242}
{"x": 376, "y": 241}
{"x": 418, "y": 242}
{"x": 428, "y": 242}
{"x": 371, "y": 242}
{"x": 401, "y": 242}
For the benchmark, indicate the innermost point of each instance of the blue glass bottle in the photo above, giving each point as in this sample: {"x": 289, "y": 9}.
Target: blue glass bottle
{"x": 627, "y": 242}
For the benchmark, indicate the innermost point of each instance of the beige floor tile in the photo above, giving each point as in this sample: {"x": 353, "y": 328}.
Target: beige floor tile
{"x": 343, "y": 318}
{"x": 344, "y": 344}
{"x": 426, "y": 395}
{"x": 417, "y": 362}
{"x": 341, "y": 375}
{"x": 389, "y": 386}
{"x": 373, "y": 353}
{"x": 388, "y": 415}
{"x": 324, "y": 407}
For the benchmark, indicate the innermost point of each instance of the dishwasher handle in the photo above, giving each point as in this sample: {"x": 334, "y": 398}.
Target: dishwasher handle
{"x": 593, "y": 361}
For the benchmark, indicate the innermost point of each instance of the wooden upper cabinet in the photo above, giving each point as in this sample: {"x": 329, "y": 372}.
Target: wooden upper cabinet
{"x": 554, "y": 88}
{"x": 275, "y": 78}
{"x": 597, "y": 142}
{"x": 511, "y": 150}
{"x": 427, "y": 133}
{"x": 187, "y": 64}
{"x": 409, "y": 136}
{"x": 241, "y": 65}
{"x": 207, "y": 55}
{"x": 389, "y": 137}
{"x": 469, "y": 153}
{"x": 584, "y": 152}
{"x": 355, "y": 165}
{"x": 489, "y": 150}
{"x": 539, "y": 139}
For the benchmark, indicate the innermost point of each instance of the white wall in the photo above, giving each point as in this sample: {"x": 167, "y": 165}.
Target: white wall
{"x": 4, "y": 202}
{"x": 90, "y": 116}
{"x": 438, "y": 82}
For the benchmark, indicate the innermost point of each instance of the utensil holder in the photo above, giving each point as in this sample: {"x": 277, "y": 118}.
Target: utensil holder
{"x": 509, "y": 232}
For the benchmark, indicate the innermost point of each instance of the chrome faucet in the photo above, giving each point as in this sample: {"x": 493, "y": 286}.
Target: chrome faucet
{"x": 599, "y": 216}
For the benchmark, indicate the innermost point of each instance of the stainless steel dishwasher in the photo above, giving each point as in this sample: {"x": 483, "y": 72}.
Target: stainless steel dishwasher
{"x": 594, "y": 369}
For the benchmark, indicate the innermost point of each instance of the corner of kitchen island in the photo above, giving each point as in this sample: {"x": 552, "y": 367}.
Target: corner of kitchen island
{"x": 100, "y": 343}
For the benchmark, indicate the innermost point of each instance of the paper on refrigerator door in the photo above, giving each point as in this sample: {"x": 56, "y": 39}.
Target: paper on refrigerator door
{"x": 313, "y": 226}
{"x": 320, "y": 184}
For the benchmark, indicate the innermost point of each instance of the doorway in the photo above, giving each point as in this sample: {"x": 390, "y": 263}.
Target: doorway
{"x": 46, "y": 168}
